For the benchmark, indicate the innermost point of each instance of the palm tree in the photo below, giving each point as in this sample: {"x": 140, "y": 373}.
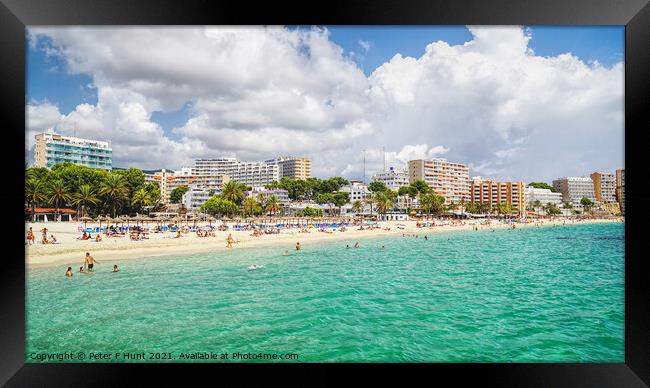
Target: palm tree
{"x": 432, "y": 202}
{"x": 357, "y": 206}
{"x": 250, "y": 205}
{"x": 370, "y": 200}
{"x": 84, "y": 197}
{"x": 141, "y": 198}
{"x": 35, "y": 192}
{"x": 58, "y": 194}
{"x": 273, "y": 204}
{"x": 233, "y": 191}
{"x": 114, "y": 191}
{"x": 384, "y": 202}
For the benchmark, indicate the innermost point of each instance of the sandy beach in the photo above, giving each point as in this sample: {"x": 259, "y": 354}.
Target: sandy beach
{"x": 70, "y": 251}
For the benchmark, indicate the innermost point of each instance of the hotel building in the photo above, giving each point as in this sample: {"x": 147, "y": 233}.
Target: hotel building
{"x": 292, "y": 167}
{"x": 281, "y": 194}
{"x": 604, "y": 186}
{"x": 492, "y": 192}
{"x": 573, "y": 189}
{"x": 620, "y": 188}
{"x": 51, "y": 149}
{"x": 248, "y": 173}
{"x": 451, "y": 180}
{"x": 357, "y": 190}
{"x": 194, "y": 197}
{"x": 544, "y": 196}
{"x": 169, "y": 180}
{"x": 392, "y": 178}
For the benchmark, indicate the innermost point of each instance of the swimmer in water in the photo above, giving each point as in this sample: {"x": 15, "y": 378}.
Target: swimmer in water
{"x": 356, "y": 245}
{"x": 297, "y": 246}
{"x": 286, "y": 253}
{"x": 382, "y": 247}
{"x": 81, "y": 269}
{"x": 425, "y": 237}
{"x": 347, "y": 246}
{"x": 68, "y": 273}
{"x": 115, "y": 269}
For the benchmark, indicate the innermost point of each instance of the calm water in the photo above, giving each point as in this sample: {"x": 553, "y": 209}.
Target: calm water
{"x": 541, "y": 294}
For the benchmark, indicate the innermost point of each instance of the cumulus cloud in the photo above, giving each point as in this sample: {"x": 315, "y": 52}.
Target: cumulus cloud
{"x": 256, "y": 93}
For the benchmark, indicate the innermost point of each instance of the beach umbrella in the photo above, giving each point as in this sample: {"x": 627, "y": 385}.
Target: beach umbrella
{"x": 85, "y": 220}
{"x": 103, "y": 218}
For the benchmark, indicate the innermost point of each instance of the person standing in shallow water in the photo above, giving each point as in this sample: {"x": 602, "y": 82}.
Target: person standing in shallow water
{"x": 298, "y": 246}
{"x": 90, "y": 261}
{"x": 68, "y": 273}
{"x": 229, "y": 241}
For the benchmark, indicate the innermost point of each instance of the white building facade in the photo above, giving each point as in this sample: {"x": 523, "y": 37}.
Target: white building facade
{"x": 393, "y": 178}
{"x": 257, "y": 192}
{"x": 357, "y": 190}
{"x": 573, "y": 189}
{"x": 248, "y": 173}
{"x": 544, "y": 196}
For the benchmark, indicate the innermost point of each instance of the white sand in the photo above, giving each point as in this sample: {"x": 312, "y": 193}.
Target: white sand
{"x": 70, "y": 251}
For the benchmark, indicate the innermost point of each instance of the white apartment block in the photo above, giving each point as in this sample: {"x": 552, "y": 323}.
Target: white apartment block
{"x": 544, "y": 196}
{"x": 357, "y": 190}
{"x": 392, "y": 178}
{"x": 51, "y": 149}
{"x": 450, "y": 180}
{"x": 257, "y": 192}
{"x": 195, "y": 197}
{"x": 573, "y": 189}
{"x": 248, "y": 173}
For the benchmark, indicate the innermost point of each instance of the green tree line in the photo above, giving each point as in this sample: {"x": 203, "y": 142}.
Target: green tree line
{"x": 91, "y": 192}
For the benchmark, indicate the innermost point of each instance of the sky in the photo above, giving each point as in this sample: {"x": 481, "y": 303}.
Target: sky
{"x": 513, "y": 102}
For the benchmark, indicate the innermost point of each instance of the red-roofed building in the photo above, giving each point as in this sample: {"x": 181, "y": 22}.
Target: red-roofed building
{"x": 44, "y": 214}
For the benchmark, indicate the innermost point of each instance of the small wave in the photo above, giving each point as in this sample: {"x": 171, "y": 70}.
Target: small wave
{"x": 610, "y": 238}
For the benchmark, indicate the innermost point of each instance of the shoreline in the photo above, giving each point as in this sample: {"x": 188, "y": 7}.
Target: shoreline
{"x": 115, "y": 249}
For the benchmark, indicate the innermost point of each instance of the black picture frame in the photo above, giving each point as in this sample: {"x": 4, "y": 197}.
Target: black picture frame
{"x": 15, "y": 15}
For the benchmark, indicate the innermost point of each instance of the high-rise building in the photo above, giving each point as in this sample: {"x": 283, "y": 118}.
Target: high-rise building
{"x": 450, "y": 180}
{"x": 491, "y": 192}
{"x": 573, "y": 189}
{"x": 392, "y": 178}
{"x": 162, "y": 178}
{"x": 292, "y": 167}
{"x": 248, "y": 173}
{"x": 51, "y": 149}
{"x": 620, "y": 188}
{"x": 604, "y": 186}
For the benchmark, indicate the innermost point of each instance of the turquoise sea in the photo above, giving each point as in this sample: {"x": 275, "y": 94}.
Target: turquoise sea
{"x": 550, "y": 294}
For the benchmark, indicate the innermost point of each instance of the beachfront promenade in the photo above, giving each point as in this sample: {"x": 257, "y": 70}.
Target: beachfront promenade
{"x": 69, "y": 249}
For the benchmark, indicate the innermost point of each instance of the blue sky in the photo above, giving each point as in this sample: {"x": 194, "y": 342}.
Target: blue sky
{"x": 166, "y": 95}
{"x": 48, "y": 80}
